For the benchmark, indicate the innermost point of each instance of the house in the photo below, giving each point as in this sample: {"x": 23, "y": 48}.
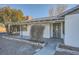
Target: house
{"x": 64, "y": 26}
{"x": 15, "y": 28}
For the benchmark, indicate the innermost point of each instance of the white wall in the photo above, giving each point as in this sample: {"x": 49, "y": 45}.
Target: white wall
{"x": 26, "y": 33}
{"x": 46, "y": 31}
{"x": 45, "y": 35}
{"x": 72, "y": 30}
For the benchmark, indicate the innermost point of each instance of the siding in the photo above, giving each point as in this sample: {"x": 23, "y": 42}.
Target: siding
{"x": 72, "y": 30}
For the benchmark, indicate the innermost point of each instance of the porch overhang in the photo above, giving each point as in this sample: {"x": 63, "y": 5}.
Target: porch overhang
{"x": 37, "y": 21}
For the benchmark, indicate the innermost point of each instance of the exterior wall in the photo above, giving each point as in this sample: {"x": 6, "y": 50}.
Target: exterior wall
{"x": 45, "y": 35}
{"x": 72, "y": 30}
{"x": 26, "y": 33}
{"x": 46, "y": 31}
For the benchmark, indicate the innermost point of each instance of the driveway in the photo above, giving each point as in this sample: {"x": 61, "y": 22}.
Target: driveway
{"x": 13, "y": 47}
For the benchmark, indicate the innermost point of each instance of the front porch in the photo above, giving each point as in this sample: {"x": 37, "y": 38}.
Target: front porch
{"x": 54, "y": 30}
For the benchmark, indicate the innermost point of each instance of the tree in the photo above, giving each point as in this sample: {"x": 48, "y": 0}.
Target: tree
{"x": 8, "y": 14}
{"x": 57, "y": 9}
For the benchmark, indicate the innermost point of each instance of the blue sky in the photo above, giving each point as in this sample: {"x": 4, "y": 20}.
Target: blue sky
{"x": 34, "y": 10}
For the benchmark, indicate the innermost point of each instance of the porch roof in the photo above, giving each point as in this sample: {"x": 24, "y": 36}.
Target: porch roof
{"x": 37, "y": 20}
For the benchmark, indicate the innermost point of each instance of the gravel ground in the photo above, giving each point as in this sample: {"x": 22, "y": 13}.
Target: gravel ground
{"x": 13, "y": 47}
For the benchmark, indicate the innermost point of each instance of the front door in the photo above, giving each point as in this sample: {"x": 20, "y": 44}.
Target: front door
{"x": 57, "y": 30}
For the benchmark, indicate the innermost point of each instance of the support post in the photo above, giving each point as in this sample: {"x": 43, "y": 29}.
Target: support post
{"x": 50, "y": 29}
{"x": 9, "y": 28}
{"x": 21, "y": 30}
{"x": 62, "y": 30}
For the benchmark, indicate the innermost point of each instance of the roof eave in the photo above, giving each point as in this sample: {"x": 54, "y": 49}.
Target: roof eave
{"x": 69, "y": 11}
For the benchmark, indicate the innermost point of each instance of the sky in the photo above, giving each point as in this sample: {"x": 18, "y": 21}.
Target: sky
{"x": 34, "y": 10}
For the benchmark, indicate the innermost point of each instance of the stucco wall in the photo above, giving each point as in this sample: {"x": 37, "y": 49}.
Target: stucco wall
{"x": 26, "y": 33}
{"x": 72, "y": 30}
{"x": 45, "y": 35}
{"x": 46, "y": 31}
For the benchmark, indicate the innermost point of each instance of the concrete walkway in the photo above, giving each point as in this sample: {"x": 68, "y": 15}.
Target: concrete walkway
{"x": 49, "y": 49}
